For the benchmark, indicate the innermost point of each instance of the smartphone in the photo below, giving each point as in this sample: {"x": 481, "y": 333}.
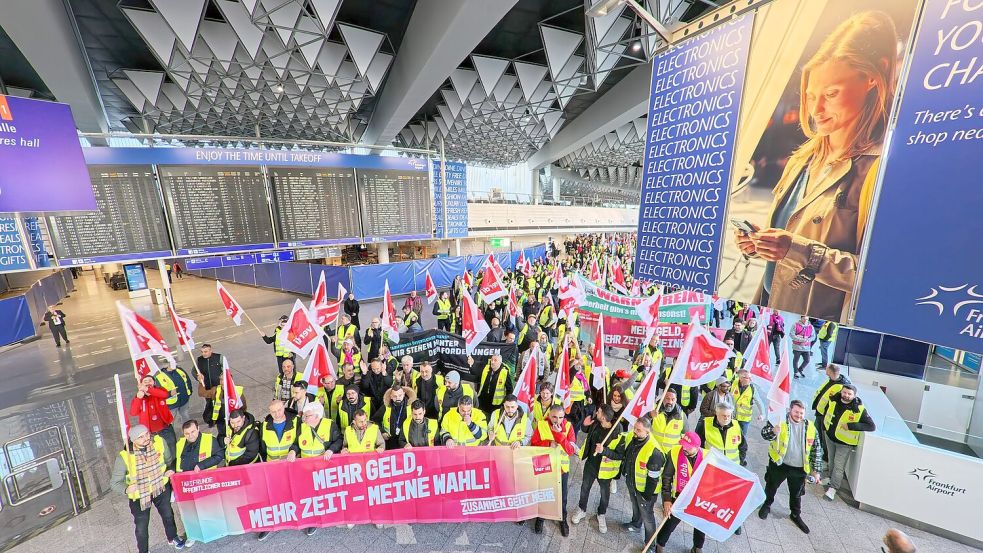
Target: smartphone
{"x": 744, "y": 226}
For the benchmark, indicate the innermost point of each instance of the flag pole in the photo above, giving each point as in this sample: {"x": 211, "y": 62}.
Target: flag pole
{"x": 250, "y": 319}
{"x": 648, "y": 544}
{"x": 658, "y": 406}
{"x": 225, "y": 401}
{"x": 120, "y": 413}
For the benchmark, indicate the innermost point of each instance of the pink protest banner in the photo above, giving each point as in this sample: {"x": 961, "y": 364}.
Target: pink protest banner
{"x": 436, "y": 484}
{"x": 629, "y": 334}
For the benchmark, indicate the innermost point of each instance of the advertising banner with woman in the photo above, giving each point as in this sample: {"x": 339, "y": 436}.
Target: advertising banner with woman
{"x": 820, "y": 84}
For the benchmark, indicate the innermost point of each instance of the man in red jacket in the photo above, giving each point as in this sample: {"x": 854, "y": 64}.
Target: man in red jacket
{"x": 557, "y": 432}
{"x": 150, "y": 408}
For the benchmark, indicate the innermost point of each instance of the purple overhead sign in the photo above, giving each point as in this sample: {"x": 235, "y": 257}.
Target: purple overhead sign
{"x": 41, "y": 162}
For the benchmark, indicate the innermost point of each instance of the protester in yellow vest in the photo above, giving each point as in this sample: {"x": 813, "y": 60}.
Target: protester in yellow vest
{"x": 720, "y": 432}
{"x": 443, "y": 309}
{"x": 179, "y": 387}
{"x": 826, "y": 335}
{"x": 681, "y": 462}
{"x": 543, "y": 402}
{"x": 791, "y": 457}
{"x": 242, "y": 445}
{"x": 330, "y": 394}
{"x": 669, "y": 423}
{"x": 197, "y": 451}
{"x": 641, "y": 465}
{"x": 846, "y": 417}
{"x": 279, "y": 351}
{"x": 346, "y": 330}
{"x": 348, "y": 354}
{"x": 218, "y": 408}
{"x": 353, "y": 402}
{"x": 287, "y": 377}
{"x": 363, "y": 436}
{"x": 450, "y": 393}
{"x": 278, "y": 433}
{"x": 745, "y": 399}
{"x": 317, "y": 435}
{"x": 494, "y": 385}
{"x": 464, "y": 426}
{"x": 510, "y": 426}
{"x": 141, "y": 474}
{"x": 597, "y": 466}
{"x": 556, "y": 432}
{"x": 418, "y": 430}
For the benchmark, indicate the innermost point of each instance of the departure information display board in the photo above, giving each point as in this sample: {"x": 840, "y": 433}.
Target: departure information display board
{"x": 315, "y": 206}
{"x": 129, "y": 223}
{"x": 216, "y": 209}
{"x": 395, "y": 204}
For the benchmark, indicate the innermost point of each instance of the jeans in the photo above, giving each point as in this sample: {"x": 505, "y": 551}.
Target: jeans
{"x": 802, "y": 356}
{"x": 839, "y": 456}
{"x": 564, "y": 482}
{"x": 642, "y": 513}
{"x": 742, "y": 448}
{"x": 663, "y": 538}
{"x": 824, "y": 351}
{"x": 141, "y": 519}
{"x": 795, "y": 477}
{"x": 776, "y": 344}
{"x": 182, "y": 413}
{"x": 589, "y": 477}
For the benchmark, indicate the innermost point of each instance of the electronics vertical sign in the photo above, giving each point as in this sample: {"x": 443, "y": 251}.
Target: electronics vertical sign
{"x": 694, "y": 106}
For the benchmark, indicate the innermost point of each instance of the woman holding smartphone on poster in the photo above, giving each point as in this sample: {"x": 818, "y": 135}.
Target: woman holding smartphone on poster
{"x": 812, "y": 240}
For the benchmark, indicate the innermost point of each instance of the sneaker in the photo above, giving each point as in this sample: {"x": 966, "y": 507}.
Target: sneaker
{"x": 349, "y": 526}
{"x": 830, "y": 494}
{"x": 578, "y": 517}
{"x": 696, "y": 550}
{"x": 188, "y": 543}
{"x": 797, "y": 520}
{"x": 178, "y": 543}
{"x": 629, "y": 527}
{"x": 602, "y": 524}
{"x": 743, "y": 462}
{"x": 262, "y": 536}
{"x": 614, "y": 487}
{"x": 763, "y": 512}
{"x": 310, "y": 531}
{"x": 537, "y": 526}
{"x": 378, "y": 526}
{"x": 564, "y": 528}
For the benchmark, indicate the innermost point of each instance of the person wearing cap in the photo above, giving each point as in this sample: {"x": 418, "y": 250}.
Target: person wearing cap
{"x": 448, "y": 395}
{"x": 394, "y": 410}
{"x": 597, "y": 467}
{"x": 329, "y": 395}
{"x": 641, "y": 466}
{"x": 510, "y": 426}
{"x": 791, "y": 457}
{"x": 353, "y": 403}
{"x": 681, "y": 462}
{"x": 281, "y": 353}
{"x": 464, "y": 425}
{"x": 419, "y": 430}
{"x": 719, "y": 395}
{"x": 669, "y": 423}
{"x": 426, "y": 385}
{"x": 557, "y": 432}
{"x": 846, "y": 417}
{"x": 285, "y": 380}
{"x": 140, "y": 472}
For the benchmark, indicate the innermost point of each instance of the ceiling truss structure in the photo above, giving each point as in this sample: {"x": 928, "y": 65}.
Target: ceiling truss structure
{"x": 269, "y": 69}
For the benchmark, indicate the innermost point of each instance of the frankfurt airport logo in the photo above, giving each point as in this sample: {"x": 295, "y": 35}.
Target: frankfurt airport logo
{"x": 964, "y": 301}
{"x": 933, "y": 484}
{"x": 922, "y": 474}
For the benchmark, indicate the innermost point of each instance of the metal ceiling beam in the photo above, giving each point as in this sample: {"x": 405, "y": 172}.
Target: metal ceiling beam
{"x": 45, "y": 33}
{"x": 441, "y": 33}
{"x": 624, "y": 102}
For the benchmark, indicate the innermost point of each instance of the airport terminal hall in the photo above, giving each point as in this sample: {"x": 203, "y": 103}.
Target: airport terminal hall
{"x": 491, "y": 276}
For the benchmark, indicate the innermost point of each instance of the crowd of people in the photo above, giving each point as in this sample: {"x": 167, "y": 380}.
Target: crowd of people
{"x": 377, "y": 402}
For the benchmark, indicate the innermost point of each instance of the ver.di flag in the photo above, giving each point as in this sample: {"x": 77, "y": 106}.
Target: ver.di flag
{"x": 513, "y": 303}
{"x": 525, "y": 387}
{"x": 571, "y": 296}
{"x": 145, "y": 366}
{"x": 718, "y": 497}
{"x": 142, "y": 337}
{"x": 595, "y": 271}
{"x": 390, "y": 325}
{"x": 182, "y": 327}
{"x": 473, "y": 325}
{"x": 703, "y": 357}
{"x": 646, "y": 397}
{"x": 232, "y": 307}
{"x": 618, "y": 276}
{"x": 756, "y": 359}
{"x": 318, "y": 366}
{"x": 599, "y": 369}
{"x": 299, "y": 334}
{"x": 492, "y": 287}
{"x": 780, "y": 393}
{"x": 561, "y": 388}
{"x": 324, "y": 311}
{"x": 229, "y": 391}
{"x": 429, "y": 288}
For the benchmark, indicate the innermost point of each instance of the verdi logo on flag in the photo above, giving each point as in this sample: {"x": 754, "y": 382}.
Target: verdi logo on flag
{"x": 718, "y": 497}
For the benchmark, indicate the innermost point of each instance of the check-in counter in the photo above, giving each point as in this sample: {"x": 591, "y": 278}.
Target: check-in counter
{"x": 893, "y": 475}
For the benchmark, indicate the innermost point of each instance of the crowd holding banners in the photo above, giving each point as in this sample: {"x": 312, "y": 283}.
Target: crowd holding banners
{"x": 411, "y": 393}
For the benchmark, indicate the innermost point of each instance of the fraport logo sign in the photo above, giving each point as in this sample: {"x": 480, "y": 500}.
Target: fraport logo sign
{"x": 963, "y": 302}
{"x": 933, "y": 484}
{"x": 5, "y": 113}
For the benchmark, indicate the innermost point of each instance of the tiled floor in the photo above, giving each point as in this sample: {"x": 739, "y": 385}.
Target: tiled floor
{"x": 72, "y": 387}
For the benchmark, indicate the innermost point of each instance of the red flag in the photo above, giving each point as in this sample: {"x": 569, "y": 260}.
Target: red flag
{"x": 557, "y": 275}
{"x": 124, "y": 421}
{"x": 636, "y": 288}
{"x": 323, "y": 311}
{"x": 513, "y": 302}
{"x": 468, "y": 279}
{"x": 718, "y": 497}
{"x": 473, "y": 325}
{"x": 756, "y": 359}
{"x": 318, "y": 366}
{"x": 142, "y": 337}
{"x": 645, "y": 397}
{"x": 703, "y": 357}
{"x": 430, "y": 289}
{"x": 232, "y": 399}
{"x": 525, "y": 387}
{"x": 599, "y": 368}
{"x": 521, "y": 262}
{"x": 570, "y": 296}
{"x": 618, "y": 276}
{"x": 561, "y": 390}
{"x": 390, "y": 325}
{"x": 492, "y": 286}
{"x": 648, "y": 311}
{"x": 341, "y": 292}
{"x": 145, "y": 366}
{"x": 780, "y": 393}
{"x": 595, "y": 271}
{"x": 182, "y": 327}
{"x": 232, "y": 307}
{"x": 527, "y": 269}
{"x": 299, "y": 334}
{"x": 493, "y": 263}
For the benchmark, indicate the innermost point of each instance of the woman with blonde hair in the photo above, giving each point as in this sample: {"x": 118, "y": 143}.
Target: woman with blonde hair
{"x": 814, "y": 234}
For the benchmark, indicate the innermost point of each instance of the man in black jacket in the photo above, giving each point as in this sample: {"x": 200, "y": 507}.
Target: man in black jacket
{"x": 597, "y": 427}
{"x": 689, "y": 452}
{"x": 632, "y": 449}
{"x": 835, "y": 380}
{"x": 845, "y": 419}
{"x": 243, "y": 445}
{"x": 55, "y": 319}
{"x": 188, "y": 455}
{"x": 375, "y": 383}
{"x": 209, "y": 366}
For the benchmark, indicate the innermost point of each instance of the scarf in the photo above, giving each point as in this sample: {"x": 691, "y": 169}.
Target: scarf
{"x": 349, "y": 357}
{"x": 683, "y": 470}
{"x": 149, "y": 479}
